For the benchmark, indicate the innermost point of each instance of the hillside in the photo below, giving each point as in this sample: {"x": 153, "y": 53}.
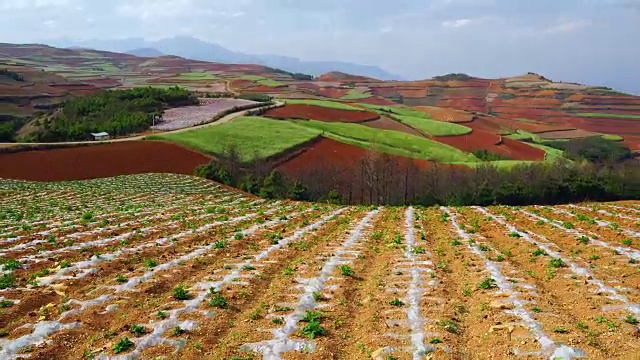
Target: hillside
{"x": 164, "y": 265}
{"x": 511, "y": 117}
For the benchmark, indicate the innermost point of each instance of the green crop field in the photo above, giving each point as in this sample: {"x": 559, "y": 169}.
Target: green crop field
{"x": 262, "y": 80}
{"x": 322, "y": 103}
{"x": 420, "y": 121}
{"x": 612, "y": 137}
{"x": 199, "y": 75}
{"x": 612, "y": 116}
{"x": 389, "y": 141}
{"x": 355, "y": 95}
{"x": 251, "y": 136}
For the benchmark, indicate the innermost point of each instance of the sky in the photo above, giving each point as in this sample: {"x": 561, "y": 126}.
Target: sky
{"x": 588, "y": 41}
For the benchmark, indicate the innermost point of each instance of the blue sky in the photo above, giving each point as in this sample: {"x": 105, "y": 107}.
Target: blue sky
{"x": 589, "y": 41}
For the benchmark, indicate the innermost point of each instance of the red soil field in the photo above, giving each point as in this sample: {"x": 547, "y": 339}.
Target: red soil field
{"x": 374, "y": 100}
{"x": 632, "y": 142}
{"x": 413, "y": 93}
{"x": 464, "y": 104}
{"x": 332, "y": 93}
{"x": 443, "y": 114}
{"x": 482, "y": 140}
{"x": 384, "y": 91}
{"x": 334, "y": 154}
{"x": 303, "y": 111}
{"x": 620, "y": 127}
{"x": 98, "y": 161}
{"x": 386, "y": 123}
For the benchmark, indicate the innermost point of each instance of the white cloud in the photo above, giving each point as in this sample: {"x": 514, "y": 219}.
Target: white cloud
{"x": 460, "y": 23}
{"x": 565, "y": 26}
{"x": 31, "y": 4}
{"x": 156, "y": 9}
{"x": 456, "y": 23}
{"x": 386, "y": 29}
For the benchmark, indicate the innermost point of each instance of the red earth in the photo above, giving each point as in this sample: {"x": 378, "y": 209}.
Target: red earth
{"x": 386, "y": 123}
{"x": 333, "y": 154}
{"x": 303, "y": 111}
{"x": 374, "y": 100}
{"x": 99, "y": 161}
{"x": 333, "y": 93}
{"x": 483, "y": 140}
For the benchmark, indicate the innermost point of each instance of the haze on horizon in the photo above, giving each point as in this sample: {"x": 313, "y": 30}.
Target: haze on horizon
{"x": 586, "y": 41}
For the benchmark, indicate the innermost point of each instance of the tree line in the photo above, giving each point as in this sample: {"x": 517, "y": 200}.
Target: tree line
{"x": 383, "y": 179}
{"x": 117, "y": 112}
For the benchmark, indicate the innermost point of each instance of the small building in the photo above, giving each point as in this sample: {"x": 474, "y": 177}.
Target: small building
{"x": 100, "y": 136}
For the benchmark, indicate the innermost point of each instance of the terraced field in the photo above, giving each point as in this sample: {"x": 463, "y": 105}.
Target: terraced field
{"x": 147, "y": 266}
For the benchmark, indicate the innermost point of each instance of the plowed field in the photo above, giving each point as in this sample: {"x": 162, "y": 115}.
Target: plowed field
{"x": 96, "y": 161}
{"x": 310, "y": 112}
{"x": 170, "y": 266}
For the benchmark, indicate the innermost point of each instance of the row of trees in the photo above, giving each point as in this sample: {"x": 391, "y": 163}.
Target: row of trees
{"x": 117, "y": 112}
{"x": 382, "y": 179}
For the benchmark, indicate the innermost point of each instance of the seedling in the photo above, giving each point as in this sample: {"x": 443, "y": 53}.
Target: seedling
{"x": 435, "y": 340}
{"x": 150, "y": 263}
{"x": 560, "y": 330}
{"x": 396, "y": 302}
{"x": 346, "y": 270}
{"x": 162, "y": 315}
{"x": 123, "y": 345}
{"x": 567, "y": 225}
{"x": 7, "y": 281}
{"x": 556, "y": 263}
{"x": 630, "y": 319}
{"x": 138, "y": 330}
{"x": 484, "y": 247}
{"x": 180, "y": 293}
{"x": 217, "y": 300}
{"x": 178, "y": 331}
{"x": 313, "y": 329}
{"x": 418, "y": 250}
{"x": 121, "y": 279}
{"x": 311, "y": 316}
{"x": 6, "y": 303}
{"x": 537, "y": 310}
{"x": 583, "y": 240}
{"x": 449, "y": 326}
{"x": 317, "y": 296}
{"x": 515, "y": 234}
{"x": 456, "y": 242}
{"x": 278, "y": 321}
{"x": 627, "y": 242}
{"x": 11, "y": 264}
{"x": 221, "y": 244}
{"x": 487, "y": 283}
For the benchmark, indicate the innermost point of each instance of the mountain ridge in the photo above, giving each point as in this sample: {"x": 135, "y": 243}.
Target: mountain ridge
{"x": 196, "y": 49}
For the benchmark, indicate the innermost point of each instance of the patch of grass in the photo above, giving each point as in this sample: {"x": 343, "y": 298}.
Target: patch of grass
{"x": 610, "y": 116}
{"x": 353, "y": 94}
{"x": 390, "y": 141}
{"x": 323, "y": 103}
{"x": 252, "y": 137}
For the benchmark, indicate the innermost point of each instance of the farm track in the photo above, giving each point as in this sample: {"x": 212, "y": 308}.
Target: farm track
{"x": 174, "y": 266}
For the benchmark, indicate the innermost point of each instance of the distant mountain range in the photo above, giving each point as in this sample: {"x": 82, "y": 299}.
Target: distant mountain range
{"x": 195, "y": 49}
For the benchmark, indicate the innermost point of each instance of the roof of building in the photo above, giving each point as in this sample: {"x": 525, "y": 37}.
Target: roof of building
{"x": 100, "y": 134}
